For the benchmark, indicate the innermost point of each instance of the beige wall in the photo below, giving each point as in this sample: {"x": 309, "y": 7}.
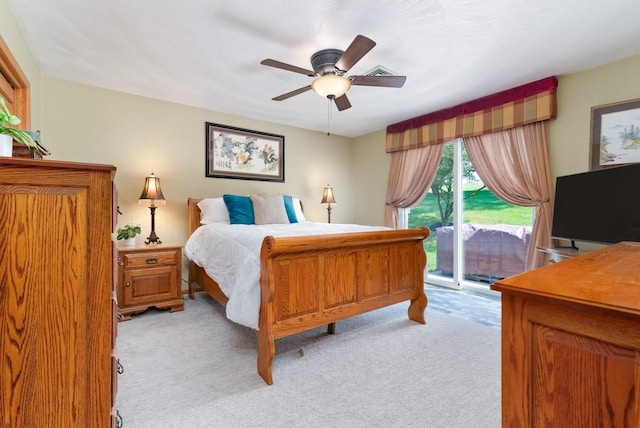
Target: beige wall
{"x": 577, "y": 93}
{"x": 370, "y": 171}
{"x": 140, "y": 135}
{"x": 13, "y": 38}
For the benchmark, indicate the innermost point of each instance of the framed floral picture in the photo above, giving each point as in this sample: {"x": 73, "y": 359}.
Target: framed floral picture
{"x": 615, "y": 134}
{"x": 243, "y": 153}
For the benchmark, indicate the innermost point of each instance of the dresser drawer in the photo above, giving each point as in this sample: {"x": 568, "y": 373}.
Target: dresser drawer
{"x": 149, "y": 259}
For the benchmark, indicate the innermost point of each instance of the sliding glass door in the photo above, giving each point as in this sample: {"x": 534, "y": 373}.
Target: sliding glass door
{"x": 476, "y": 238}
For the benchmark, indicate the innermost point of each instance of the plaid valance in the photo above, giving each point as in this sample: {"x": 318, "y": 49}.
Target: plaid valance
{"x": 528, "y": 103}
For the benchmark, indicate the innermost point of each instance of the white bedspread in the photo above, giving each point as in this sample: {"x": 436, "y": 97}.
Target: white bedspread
{"x": 230, "y": 255}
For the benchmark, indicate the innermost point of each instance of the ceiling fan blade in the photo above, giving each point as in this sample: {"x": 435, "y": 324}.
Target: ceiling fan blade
{"x": 342, "y": 102}
{"x": 384, "y": 81}
{"x": 354, "y": 53}
{"x": 292, "y": 93}
{"x": 285, "y": 66}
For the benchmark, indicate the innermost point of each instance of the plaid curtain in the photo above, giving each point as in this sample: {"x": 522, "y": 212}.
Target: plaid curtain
{"x": 508, "y": 109}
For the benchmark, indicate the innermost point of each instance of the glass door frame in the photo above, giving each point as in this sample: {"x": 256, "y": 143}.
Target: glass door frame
{"x": 457, "y": 281}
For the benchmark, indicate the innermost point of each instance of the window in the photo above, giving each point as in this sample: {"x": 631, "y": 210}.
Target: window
{"x": 476, "y": 238}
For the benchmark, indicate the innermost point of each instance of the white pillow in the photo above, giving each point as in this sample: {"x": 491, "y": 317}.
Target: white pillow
{"x": 269, "y": 209}
{"x": 213, "y": 210}
{"x": 298, "y": 209}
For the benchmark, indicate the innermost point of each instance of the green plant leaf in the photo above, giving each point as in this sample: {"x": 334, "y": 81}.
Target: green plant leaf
{"x": 19, "y": 135}
{"x": 6, "y": 118}
{"x": 128, "y": 231}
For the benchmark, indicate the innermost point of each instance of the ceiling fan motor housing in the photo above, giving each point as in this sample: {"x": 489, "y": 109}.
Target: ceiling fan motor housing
{"x": 324, "y": 61}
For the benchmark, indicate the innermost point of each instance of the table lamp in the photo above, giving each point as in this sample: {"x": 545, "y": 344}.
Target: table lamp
{"x": 327, "y": 198}
{"x": 153, "y": 193}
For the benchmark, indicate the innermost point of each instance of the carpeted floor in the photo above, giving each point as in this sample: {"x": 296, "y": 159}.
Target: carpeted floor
{"x": 197, "y": 369}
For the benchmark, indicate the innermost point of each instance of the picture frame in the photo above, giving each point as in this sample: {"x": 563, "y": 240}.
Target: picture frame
{"x": 615, "y": 134}
{"x": 244, "y": 154}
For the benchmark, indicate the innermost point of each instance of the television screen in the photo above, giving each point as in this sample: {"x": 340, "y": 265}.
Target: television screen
{"x": 601, "y": 206}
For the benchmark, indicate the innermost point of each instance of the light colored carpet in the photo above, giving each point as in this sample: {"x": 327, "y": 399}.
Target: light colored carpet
{"x": 196, "y": 369}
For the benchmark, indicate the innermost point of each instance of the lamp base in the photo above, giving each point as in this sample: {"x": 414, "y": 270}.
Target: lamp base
{"x": 153, "y": 239}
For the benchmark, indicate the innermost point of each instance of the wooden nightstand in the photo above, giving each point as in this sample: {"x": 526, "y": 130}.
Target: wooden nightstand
{"x": 149, "y": 275}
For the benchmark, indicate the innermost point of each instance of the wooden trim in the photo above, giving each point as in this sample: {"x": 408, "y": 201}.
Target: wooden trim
{"x": 6, "y": 90}
{"x": 19, "y": 101}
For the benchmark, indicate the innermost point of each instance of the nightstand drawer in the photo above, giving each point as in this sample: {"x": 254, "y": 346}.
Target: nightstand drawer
{"x": 150, "y": 259}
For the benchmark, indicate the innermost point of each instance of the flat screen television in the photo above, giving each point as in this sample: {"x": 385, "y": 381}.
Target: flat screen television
{"x": 601, "y": 206}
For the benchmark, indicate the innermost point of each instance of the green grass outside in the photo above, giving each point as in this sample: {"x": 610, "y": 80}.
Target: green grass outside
{"x": 483, "y": 208}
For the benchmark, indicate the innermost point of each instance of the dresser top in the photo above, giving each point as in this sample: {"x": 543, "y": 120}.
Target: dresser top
{"x": 607, "y": 278}
{"x": 26, "y": 162}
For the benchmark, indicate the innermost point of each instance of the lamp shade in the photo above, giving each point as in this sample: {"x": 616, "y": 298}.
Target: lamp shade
{"x": 152, "y": 190}
{"x": 331, "y": 85}
{"x": 327, "y": 195}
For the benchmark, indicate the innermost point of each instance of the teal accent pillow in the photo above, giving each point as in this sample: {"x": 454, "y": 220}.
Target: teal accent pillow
{"x": 288, "y": 206}
{"x": 240, "y": 209}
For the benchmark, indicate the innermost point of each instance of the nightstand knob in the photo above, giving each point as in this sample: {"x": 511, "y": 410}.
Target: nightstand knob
{"x": 151, "y": 261}
{"x": 128, "y": 284}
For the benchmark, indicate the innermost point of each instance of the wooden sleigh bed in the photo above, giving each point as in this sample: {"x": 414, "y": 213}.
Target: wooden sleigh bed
{"x": 311, "y": 281}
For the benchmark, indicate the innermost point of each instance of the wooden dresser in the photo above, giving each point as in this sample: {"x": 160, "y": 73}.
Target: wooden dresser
{"x": 571, "y": 342}
{"x": 57, "y": 310}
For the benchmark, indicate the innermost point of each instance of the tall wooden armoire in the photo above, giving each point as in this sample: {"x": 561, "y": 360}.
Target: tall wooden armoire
{"x": 57, "y": 311}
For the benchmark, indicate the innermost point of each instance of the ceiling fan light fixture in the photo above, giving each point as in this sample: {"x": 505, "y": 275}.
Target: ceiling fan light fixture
{"x": 331, "y": 85}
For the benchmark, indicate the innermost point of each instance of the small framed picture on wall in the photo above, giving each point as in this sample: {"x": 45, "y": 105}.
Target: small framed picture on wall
{"x": 615, "y": 134}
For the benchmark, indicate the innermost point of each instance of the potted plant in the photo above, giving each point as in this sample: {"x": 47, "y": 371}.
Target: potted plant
{"x": 128, "y": 233}
{"x": 8, "y": 134}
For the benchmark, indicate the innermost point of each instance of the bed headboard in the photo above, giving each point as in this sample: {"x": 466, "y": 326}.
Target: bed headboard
{"x": 194, "y": 213}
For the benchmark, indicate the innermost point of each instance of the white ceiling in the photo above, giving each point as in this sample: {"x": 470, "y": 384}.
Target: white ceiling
{"x": 207, "y": 53}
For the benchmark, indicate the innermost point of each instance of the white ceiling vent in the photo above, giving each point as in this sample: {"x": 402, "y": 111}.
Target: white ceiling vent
{"x": 380, "y": 71}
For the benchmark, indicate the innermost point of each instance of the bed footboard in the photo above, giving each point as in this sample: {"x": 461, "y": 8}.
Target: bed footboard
{"x": 307, "y": 282}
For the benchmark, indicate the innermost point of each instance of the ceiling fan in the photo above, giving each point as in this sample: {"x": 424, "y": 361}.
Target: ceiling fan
{"x": 329, "y": 68}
